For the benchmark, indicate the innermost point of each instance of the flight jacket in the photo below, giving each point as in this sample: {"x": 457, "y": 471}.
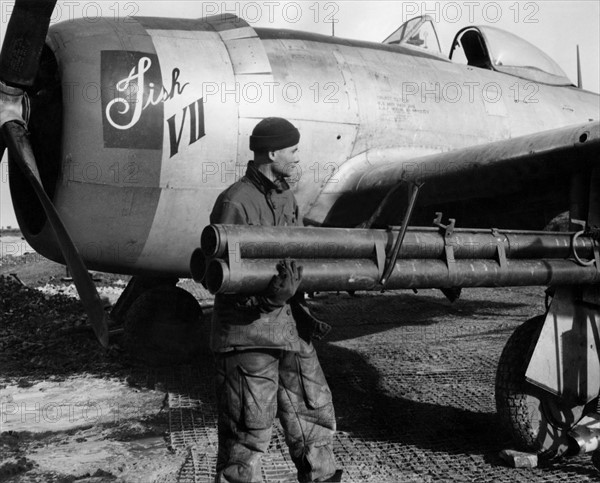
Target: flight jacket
{"x": 246, "y": 322}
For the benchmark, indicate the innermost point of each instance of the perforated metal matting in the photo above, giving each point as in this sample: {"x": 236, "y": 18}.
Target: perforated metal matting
{"x": 413, "y": 384}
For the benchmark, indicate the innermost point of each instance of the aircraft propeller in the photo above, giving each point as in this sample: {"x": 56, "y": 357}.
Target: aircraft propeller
{"x": 19, "y": 60}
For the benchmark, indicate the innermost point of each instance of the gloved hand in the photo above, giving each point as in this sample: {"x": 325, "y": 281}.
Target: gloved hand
{"x": 284, "y": 285}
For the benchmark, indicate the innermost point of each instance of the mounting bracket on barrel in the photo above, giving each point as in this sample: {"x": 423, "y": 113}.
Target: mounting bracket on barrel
{"x": 584, "y": 263}
{"x": 447, "y": 231}
{"x": 500, "y": 250}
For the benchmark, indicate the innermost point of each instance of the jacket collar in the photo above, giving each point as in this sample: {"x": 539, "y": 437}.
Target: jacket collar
{"x": 264, "y": 184}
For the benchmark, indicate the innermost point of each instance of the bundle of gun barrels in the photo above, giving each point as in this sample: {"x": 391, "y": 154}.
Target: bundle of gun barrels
{"x": 243, "y": 259}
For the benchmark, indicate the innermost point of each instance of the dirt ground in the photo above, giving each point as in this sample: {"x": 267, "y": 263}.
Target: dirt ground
{"x": 69, "y": 410}
{"x": 412, "y": 377}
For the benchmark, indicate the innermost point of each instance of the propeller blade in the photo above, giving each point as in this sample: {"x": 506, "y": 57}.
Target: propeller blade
{"x": 19, "y": 61}
{"x": 24, "y": 41}
{"x": 17, "y": 140}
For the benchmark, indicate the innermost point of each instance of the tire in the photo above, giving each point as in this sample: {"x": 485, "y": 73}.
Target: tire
{"x": 561, "y": 222}
{"x": 163, "y": 326}
{"x": 537, "y": 420}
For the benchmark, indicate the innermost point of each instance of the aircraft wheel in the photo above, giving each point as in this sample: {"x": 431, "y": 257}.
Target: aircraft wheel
{"x": 537, "y": 420}
{"x": 163, "y": 326}
{"x": 561, "y": 222}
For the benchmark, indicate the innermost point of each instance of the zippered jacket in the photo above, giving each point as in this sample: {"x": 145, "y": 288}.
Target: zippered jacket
{"x": 246, "y": 322}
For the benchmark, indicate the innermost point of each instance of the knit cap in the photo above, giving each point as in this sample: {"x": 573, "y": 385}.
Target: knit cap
{"x": 272, "y": 134}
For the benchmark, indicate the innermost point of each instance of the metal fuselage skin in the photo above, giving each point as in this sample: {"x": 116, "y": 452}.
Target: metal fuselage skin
{"x": 156, "y": 115}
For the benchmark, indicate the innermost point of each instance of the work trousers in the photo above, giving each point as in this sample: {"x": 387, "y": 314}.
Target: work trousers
{"x": 253, "y": 387}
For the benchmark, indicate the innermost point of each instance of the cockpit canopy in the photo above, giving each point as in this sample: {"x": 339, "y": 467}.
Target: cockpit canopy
{"x": 419, "y": 33}
{"x": 484, "y": 47}
{"x": 495, "y": 49}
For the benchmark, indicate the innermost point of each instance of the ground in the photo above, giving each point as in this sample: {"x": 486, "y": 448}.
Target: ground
{"x": 412, "y": 377}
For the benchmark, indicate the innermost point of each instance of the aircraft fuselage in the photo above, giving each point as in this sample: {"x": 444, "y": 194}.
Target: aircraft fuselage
{"x": 155, "y": 116}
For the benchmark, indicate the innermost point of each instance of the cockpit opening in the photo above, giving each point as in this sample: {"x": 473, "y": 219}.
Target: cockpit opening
{"x": 484, "y": 47}
{"x": 495, "y": 49}
{"x": 471, "y": 50}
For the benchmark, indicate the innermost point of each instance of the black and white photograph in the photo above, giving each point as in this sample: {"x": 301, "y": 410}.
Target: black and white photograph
{"x": 299, "y": 241}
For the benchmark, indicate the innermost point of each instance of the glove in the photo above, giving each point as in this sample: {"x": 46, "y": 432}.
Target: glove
{"x": 284, "y": 285}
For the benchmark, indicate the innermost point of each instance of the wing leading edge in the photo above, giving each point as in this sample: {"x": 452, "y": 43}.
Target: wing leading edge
{"x": 521, "y": 182}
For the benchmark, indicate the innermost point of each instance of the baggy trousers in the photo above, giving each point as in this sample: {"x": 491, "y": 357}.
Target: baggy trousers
{"x": 253, "y": 387}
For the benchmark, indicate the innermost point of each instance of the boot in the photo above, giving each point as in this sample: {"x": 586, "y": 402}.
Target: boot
{"x": 337, "y": 476}
{"x": 596, "y": 459}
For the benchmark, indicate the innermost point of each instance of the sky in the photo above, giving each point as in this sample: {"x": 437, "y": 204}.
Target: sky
{"x": 556, "y": 27}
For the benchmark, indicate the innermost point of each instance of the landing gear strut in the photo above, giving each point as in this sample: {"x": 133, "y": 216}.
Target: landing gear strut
{"x": 537, "y": 420}
{"x": 162, "y": 321}
{"x": 548, "y": 378}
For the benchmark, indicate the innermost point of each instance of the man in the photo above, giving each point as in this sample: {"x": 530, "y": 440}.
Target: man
{"x": 265, "y": 361}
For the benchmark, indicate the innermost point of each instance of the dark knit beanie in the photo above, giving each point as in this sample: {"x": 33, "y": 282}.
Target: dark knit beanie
{"x": 272, "y": 134}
